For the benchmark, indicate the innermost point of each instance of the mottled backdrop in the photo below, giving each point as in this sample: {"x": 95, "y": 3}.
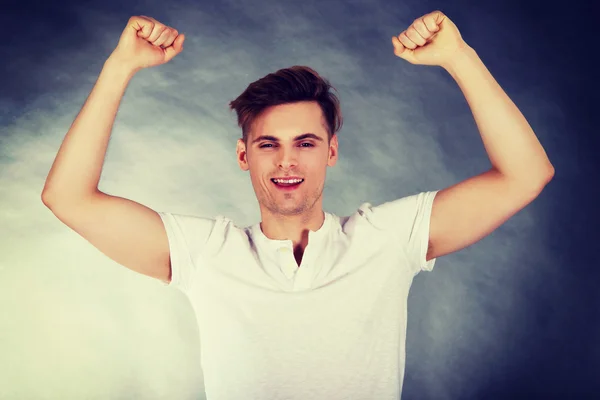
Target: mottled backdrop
{"x": 515, "y": 314}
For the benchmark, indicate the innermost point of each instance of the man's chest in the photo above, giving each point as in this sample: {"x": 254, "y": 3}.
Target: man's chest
{"x": 281, "y": 269}
{"x": 333, "y": 332}
{"x": 339, "y": 303}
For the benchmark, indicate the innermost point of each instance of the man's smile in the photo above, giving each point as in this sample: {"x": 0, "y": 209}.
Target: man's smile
{"x": 287, "y": 184}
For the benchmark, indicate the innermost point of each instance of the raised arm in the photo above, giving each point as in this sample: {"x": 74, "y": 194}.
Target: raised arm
{"x": 127, "y": 232}
{"x": 466, "y": 212}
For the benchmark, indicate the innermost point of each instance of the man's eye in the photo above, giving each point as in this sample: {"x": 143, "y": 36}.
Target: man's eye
{"x": 267, "y": 145}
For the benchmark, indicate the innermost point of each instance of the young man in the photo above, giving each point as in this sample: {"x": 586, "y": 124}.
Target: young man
{"x": 304, "y": 304}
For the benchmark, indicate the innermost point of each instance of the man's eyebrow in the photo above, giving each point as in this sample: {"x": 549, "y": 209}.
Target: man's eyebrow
{"x": 296, "y": 139}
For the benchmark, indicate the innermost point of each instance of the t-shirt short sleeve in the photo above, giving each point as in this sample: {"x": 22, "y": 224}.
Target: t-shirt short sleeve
{"x": 188, "y": 236}
{"x": 407, "y": 219}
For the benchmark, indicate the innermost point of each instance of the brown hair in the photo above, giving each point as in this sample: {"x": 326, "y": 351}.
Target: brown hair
{"x": 288, "y": 85}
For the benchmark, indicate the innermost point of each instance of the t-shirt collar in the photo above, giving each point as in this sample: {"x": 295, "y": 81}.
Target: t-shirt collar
{"x": 313, "y": 236}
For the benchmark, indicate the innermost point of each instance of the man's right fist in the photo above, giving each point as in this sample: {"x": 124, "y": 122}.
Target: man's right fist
{"x": 145, "y": 42}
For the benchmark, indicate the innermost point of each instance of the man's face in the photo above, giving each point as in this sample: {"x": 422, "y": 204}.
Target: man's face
{"x": 288, "y": 141}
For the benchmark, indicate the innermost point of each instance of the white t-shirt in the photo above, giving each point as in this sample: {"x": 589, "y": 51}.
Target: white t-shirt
{"x": 333, "y": 328}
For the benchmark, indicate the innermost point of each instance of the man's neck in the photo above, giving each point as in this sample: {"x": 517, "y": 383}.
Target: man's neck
{"x": 294, "y": 228}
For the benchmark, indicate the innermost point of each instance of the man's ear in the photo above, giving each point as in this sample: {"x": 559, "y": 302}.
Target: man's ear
{"x": 242, "y": 156}
{"x": 333, "y": 151}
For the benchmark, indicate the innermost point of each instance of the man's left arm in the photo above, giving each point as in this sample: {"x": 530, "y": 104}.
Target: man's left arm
{"x": 468, "y": 211}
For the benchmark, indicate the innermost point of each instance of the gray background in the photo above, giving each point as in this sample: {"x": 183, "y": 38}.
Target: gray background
{"x": 515, "y": 315}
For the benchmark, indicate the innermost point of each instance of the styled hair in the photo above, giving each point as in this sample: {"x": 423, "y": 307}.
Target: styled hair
{"x": 288, "y": 85}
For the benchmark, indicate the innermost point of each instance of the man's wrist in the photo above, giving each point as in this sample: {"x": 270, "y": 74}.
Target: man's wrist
{"x": 119, "y": 68}
{"x": 463, "y": 57}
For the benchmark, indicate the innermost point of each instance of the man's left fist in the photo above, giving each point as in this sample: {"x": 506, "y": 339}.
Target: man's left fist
{"x": 431, "y": 40}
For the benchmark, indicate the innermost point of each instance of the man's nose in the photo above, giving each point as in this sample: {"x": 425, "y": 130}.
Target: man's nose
{"x": 287, "y": 158}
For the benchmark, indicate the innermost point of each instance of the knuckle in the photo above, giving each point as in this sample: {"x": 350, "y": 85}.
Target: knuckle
{"x": 135, "y": 19}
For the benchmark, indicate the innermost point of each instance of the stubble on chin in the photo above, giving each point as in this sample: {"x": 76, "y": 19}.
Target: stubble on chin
{"x": 287, "y": 210}
{"x": 300, "y": 206}
{"x": 304, "y": 205}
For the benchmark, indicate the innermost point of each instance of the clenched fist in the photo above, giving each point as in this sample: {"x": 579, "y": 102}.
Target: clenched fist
{"x": 145, "y": 42}
{"x": 430, "y": 40}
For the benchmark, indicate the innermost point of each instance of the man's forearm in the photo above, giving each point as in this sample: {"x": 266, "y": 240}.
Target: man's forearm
{"x": 511, "y": 144}
{"x": 76, "y": 170}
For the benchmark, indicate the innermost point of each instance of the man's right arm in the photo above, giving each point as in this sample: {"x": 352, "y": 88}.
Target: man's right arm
{"x": 127, "y": 232}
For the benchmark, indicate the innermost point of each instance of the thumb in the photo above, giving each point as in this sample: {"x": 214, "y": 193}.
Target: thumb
{"x": 175, "y": 48}
{"x": 401, "y": 51}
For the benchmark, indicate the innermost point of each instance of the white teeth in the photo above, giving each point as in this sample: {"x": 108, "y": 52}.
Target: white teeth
{"x": 288, "y": 180}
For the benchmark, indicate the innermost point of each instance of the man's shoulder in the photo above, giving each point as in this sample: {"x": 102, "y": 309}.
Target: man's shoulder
{"x": 388, "y": 213}
{"x": 194, "y": 224}
{"x": 195, "y": 218}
